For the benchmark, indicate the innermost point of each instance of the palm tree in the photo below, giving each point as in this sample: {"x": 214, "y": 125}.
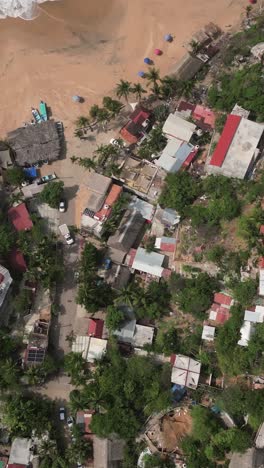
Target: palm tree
{"x": 138, "y": 90}
{"x": 168, "y": 86}
{"x": 94, "y": 111}
{"x": 127, "y": 295}
{"x": 78, "y": 133}
{"x": 34, "y": 375}
{"x": 48, "y": 448}
{"x": 248, "y": 10}
{"x": 105, "y": 151}
{"x": 152, "y": 76}
{"x": 15, "y": 198}
{"x": 112, "y": 105}
{"x": 74, "y": 159}
{"x": 82, "y": 121}
{"x": 195, "y": 46}
{"x": 123, "y": 89}
{"x": 103, "y": 117}
{"x": 87, "y": 163}
{"x": 186, "y": 87}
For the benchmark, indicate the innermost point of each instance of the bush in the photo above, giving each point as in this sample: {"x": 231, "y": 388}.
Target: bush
{"x": 52, "y": 193}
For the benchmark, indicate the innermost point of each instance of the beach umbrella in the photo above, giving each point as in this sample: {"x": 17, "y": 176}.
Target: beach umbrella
{"x": 141, "y": 74}
{"x": 147, "y": 60}
{"x": 157, "y": 52}
{"x": 76, "y": 98}
{"x": 252, "y": 2}
{"x": 168, "y": 37}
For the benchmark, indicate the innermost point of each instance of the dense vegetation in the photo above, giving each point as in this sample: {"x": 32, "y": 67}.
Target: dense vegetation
{"x": 243, "y": 87}
{"x": 209, "y": 441}
{"x": 193, "y": 295}
{"x": 123, "y": 390}
{"x": 93, "y": 292}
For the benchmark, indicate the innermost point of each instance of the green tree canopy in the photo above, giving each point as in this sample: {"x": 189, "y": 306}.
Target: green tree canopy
{"x": 7, "y": 238}
{"x": 180, "y": 191}
{"x": 245, "y": 291}
{"x": 52, "y": 194}
{"x": 23, "y": 414}
{"x": 197, "y": 294}
{"x": 114, "y": 318}
{"x": 15, "y": 176}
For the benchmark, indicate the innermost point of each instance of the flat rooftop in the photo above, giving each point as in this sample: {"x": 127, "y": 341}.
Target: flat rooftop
{"x": 236, "y": 148}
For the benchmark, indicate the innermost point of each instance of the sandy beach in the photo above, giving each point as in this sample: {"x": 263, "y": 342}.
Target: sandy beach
{"x": 84, "y": 47}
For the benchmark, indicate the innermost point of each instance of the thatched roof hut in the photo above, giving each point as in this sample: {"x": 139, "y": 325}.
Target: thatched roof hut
{"x": 186, "y": 68}
{"x": 35, "y": 143}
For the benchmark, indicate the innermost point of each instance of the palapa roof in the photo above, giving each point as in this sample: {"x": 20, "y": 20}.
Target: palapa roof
{"x": 35, "y": 143}
{"x": 186, "y": 68}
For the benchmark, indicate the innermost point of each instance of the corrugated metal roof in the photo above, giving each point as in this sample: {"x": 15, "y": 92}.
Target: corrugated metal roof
{"x": 222, "y": 299}
{"x": 148, "y": 262}
{"x": 143, "y": 207}
{"x": 261, "y": 282}
{"x": 179, "y": 128}
{"x": 208, "y": 333}
{"x": 173, "y": 162}
{"x": 225, "y": 141}
{"x": 246, "y": 331}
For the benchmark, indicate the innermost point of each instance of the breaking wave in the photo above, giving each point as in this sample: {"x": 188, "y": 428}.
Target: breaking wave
{"x": 25, "y": 9}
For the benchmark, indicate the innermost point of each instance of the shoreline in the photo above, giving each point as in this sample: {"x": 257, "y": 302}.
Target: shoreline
{"x": 75, "y": 48}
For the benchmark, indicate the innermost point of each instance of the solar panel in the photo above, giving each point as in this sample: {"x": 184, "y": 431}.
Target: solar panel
{"x": 35, "y": 355}
{"x": 88, "y": 212}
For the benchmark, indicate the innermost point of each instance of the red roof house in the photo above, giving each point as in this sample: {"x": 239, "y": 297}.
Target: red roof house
{"x": 17, "y": 261}
{"x": 111, "y": 198}
{"x": 134, "y": 128}
{"x": 83, "y": 420}
{"x": 220, "y": 309}
{"x": 261, "y": 230}
{"x": 261, "y": 263}
{"x": 20, "y": 218}
{"x": 95, "y": 328}
{"x": 230, "y": 128}
{"x": 205, "y": 116}
{"x": 223, "y": 299}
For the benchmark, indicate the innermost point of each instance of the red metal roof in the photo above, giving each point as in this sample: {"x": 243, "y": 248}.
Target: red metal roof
{"x": 16, "y": 465}
{"x": 139, "y": 116}
{"x": 223, "y": 299}
{"x": 261, "y": 229}
{"x": 17, "y": 261}
{"x": 173, "y": 359}
{"x": 190, "y": 158}
{"x": 184, "y": 106}
{"x": 113, "y": 195}
{"x": 261, "y": 263}
{"x": 167, "y": 247}
{"x": 225, "y": 141}
{"x": 20, "y": 218}
{"x": 95, "y": 328}
{"x": 128, "y": 136}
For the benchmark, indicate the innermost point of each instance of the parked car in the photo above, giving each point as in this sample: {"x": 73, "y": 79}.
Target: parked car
{"x": 62, "y": 206}
{"x": 64, "y": 230}
{"x": 70, "y": 421}
{"x": 62, "y": 414}
{"x": 46, "y": 178}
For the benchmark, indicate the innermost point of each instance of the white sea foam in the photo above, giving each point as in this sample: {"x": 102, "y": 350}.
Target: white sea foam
{"x": 25, "y": 9}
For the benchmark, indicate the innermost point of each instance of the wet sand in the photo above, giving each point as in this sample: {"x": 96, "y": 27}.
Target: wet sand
{"x": 85, "y": 46}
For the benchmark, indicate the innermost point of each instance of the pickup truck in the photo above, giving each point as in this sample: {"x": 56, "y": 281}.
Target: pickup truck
{"x": 46, "y": 178}
{"x": 64, "y": 230}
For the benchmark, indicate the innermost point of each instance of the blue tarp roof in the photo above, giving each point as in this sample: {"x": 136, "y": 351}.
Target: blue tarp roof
{"x": 30, "y": 172}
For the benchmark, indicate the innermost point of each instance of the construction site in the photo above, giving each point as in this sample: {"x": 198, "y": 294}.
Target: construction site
{"x": 165, "y": 432}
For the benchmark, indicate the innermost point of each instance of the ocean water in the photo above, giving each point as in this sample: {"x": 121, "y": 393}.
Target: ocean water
{"x": 25, "y": 9}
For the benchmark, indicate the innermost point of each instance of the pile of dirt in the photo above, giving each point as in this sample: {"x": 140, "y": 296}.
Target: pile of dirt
{"x": 167, "y": 432}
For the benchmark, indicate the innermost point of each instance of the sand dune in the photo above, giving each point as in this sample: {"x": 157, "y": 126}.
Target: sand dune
{"x": 85, "y": 46}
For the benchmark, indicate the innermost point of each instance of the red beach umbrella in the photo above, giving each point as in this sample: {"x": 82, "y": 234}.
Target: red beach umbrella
{"x": 157, "y": 52}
